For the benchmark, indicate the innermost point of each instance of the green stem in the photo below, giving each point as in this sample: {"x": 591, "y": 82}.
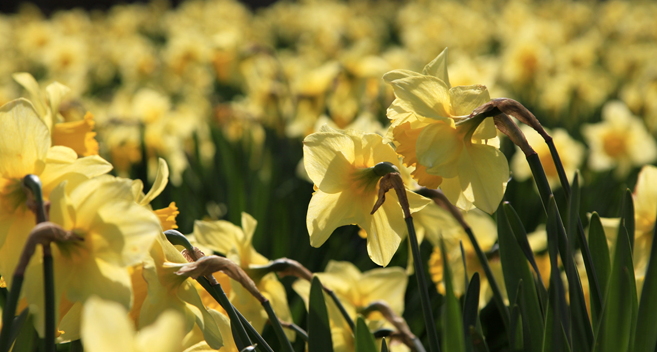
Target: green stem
{"x": 9, "y": 311}
{"x": 34, "y": 184}
{"x": 49, "y": 288}
{"x": 241, "y": 338}
{"x": 497, "y": 293}
{"x": 76, "y": 346}
{"x": 298, "y": 330}
{"x": 341, "y": 308}
{"x": 422, "y": 283}
{"x": 278, "y": 329}
{"x": 583, "y": 243}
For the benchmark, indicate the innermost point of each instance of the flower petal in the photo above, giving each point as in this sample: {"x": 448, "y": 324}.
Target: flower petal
{"x": 327, "y": 212}
{"x": 25, "y": 140}
{"x": 438, "y": 148}
{"x": 486, "y": 170}
{"x": 427, "y": 96}
{"x": 326, "y": 156}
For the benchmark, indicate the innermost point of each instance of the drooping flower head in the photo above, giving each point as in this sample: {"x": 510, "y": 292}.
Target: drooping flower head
{"x": 341, "y": 165}
{"x": 432, "y": 131}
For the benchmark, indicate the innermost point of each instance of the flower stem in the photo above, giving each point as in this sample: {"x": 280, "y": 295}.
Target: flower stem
{"x": 278, "y": 329}
{"x": 583, "y": 243}
{"x": 33, "y": 183}
{"x": 241, "y": 338}
{"x": 341, "y": 308}
{"x": 422, "y": 283}
{"x": 9, "y": 311}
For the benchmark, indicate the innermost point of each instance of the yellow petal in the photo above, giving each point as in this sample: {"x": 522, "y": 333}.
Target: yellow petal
{"x": 77, "y": 135}
{"x": 106, "y": 327}
{"x": 464, "y": 99}
{"x": 438, "y": 147}
{"x": 328, "y": 155}
{"x": 387, "y": 284}
{"x": 327, "y": 212}
{"x": 165, "y": 335}
{"x": 188, "y": 294}
{"x": 30, "y": 84}
{"x": 385, "y": 230}
{"x": 61, "y": 211}
{"x": 62, "y": 163}
{"x": 427, "y": 96}
{"x": 220, "y": 236}
{"x": 100, "y": 278}
{"x": 394, "y": 75}
{"x": 486, "y": 170}
{"x": 25, "y": 140}
{"x": 55, "y": 93}
{"x": 158, "y": 185}
{"x": 438, "y": 68}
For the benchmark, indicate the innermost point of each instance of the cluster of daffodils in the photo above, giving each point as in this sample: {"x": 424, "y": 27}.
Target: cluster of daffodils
{"x": 157, "y": 77}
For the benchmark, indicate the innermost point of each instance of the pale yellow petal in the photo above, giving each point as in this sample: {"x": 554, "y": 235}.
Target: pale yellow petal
{"x": 394, "y": 75}
{"x": 220, "y": 236}
{"x": 387, "y": 284}
{"x": 62, "y": 163}
{"x": 438, "y": 67}
{"x": 385, "y": 230}
{"x": 188, "y": 294}
{"x": 102, "y": 279}
{"x": 165, "y": 335}
{"x": 467, "y": 98}
{"x": 427, "y": 96}
{"x": 486, "y": 170}
{"x": 327, "y": 155}
{"x": 106, "y": 327}
{"x": 55, "y": 93}
{"x": 158, "y": 185}
{"x": 327, "y": 212}
{"x": 438, "y": 148}
{"x": 61, "y": 211}
{"x": 25, "y": 140}
{"x": 32, "y": 87}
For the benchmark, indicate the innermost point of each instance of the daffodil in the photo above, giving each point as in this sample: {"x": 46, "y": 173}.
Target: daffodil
{"x": 115, "y": 233}
{"x": 166, "y": 290}
{"x": 166, "y": 215}
{"x": 432, "y": 130}
{"x": 620, "y": 141}
{"x": 570, "y": 151}
{"x": 341, "y": 165}
{"x": 107, "y": 328}
{"x": 236, "y": 243}
{"x": 356, "y": 290}
{"x": 77, "y": 135}
{"x": 26, "y": 149}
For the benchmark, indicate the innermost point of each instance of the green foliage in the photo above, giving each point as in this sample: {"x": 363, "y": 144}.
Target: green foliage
{"x": 319, "y": 329}
{"x": 364, "y": 339}
{"x": 453, "y": 338}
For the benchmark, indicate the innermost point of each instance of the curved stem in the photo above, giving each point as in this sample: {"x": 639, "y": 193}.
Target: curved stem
{"x": 278, "y": 329}
{"x": 424, "y": 291}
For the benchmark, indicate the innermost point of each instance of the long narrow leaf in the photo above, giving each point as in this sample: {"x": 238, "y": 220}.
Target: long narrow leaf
{"x": 601, "y": 259}
{"x": 627, "y": 216}
{"x": 364, "y": 339}
{"x": 620, "y": 301}
{"x": 516, "y": 272}
{"x": 319, "y": 330}
{"x": 453, "y": 338}
{"x": 471, "y": 309}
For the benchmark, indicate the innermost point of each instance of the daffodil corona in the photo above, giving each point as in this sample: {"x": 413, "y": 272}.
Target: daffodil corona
{"x": 341, "y": 164}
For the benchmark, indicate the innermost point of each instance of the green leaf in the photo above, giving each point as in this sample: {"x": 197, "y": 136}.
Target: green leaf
{"x": 557, "y": 307}
{"x": 601, "y": 259}
{"x": 627, "y": 216}
{"x": 453, "y": 338}
{"x": 516, "y": 272}
{"x": 478, "y": 340}
{"x": 645, "y": 334}
{"x": 471, "y": 302}
{"x": 573, "y": 211}
{"x": 364, "y": 339}
{"x": 26, "y": 336}
{"x": 319, "y": 330}
{"x": 620, "y": 308}
{"x": 384, "y": 345}
{"x": 521, "y": 236}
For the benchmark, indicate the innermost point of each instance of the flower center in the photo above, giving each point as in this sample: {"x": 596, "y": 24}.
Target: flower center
{"x": 614, "y": 144}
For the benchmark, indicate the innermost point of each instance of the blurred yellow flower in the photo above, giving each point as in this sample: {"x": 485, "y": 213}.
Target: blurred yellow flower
{"x": 166, "y": 290}
{"x": 620, "y": 141}
{"x": 236, "y": 244}
{"x": 356, "y": 290}
{"x": 116, "y": 233}
{"x": 107, "y": 328}
{"x": 570, "y": 151}
{"x": 346, "y": 188}
{"x": 431, "y": 129}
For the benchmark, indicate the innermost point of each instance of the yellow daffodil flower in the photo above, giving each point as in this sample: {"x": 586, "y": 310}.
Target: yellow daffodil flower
{"x": 356, "y": 290}
{"x": 166, "y": 215}
{"x": 341, "y": 166}
{"x": 620, "y": 141}
{"x": 77, "y": 135}
{"x": 116, "y": 233}
{"x": 166, "y": 290}
{"x": 570, "y": 151}
{"x": 236, "y": 243}
{"x": 431, "y": 129}
{"x": 25, "y": 149}
{"x": 107, "y": 328}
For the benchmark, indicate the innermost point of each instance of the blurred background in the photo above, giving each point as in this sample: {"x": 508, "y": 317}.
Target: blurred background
{"x": 225, "y": 92}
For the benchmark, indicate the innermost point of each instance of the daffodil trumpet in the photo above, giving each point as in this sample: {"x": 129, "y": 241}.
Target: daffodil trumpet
{"x": 393, "y": 180}
{"x": 441, "y": 200}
